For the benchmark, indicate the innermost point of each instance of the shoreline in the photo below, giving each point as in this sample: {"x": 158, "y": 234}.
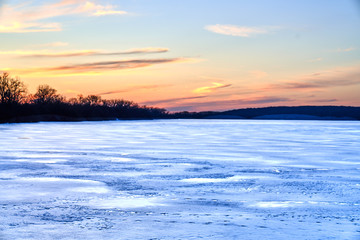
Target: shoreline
{"x": 58, "y": 113}
{"x": 59, "y": 118}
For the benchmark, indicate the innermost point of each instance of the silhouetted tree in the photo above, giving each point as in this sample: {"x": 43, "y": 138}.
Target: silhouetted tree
{"x": 73, "y": 101}
{"x": 93, "y": 100}
{"x": 120, "y": 103}
{"x": 12, "y": 90}
{"x": 90, "y": 100}
{"x": 46, "y": 94}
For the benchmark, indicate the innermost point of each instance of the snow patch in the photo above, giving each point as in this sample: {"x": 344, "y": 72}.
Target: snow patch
{"x": 125, "y": 202}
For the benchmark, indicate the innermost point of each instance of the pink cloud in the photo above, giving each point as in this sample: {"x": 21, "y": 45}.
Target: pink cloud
{"x": 24, "y": 18}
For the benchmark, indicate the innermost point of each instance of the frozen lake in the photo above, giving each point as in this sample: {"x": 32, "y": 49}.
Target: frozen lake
{"x": 180, "y": 179}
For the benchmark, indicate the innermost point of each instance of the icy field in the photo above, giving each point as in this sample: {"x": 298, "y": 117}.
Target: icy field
{"x": 180, "y": 179}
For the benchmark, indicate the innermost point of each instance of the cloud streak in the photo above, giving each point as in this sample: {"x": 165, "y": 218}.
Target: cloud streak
{"x": 228, "y": 104}
{"x": 27, "y": 17}
{"x": 325, "y": 100}
{"x": 108, "y": 12}
{"x": 172, "y": 100}
{"x": 350, "y": 49}
{"x": 208, "y": 89}
{"x": 238, "y": 31}
{"x": 338, "y": 77}
{"x": 134, "y": 88}
{"x": 47, "y": 54}
{"x": 100, "y": 66}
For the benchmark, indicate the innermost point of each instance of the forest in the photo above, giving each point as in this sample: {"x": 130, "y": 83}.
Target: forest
{"x": 17, "y": 105}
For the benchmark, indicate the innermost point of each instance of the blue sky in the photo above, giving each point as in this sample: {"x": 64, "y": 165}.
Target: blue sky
{"x": 188, "y": 55}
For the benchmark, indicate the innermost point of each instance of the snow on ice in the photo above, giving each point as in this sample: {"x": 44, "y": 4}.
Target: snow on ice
{"x": 180, "y": 179}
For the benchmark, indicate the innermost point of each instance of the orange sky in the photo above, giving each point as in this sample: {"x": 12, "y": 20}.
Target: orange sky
{"x": 191, "y": 56}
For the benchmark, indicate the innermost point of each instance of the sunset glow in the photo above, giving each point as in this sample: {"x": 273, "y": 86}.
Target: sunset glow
{"x": 187, "y": 55}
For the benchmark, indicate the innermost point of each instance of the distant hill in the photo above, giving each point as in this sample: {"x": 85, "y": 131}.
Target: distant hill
{"x": 290, "y": 113}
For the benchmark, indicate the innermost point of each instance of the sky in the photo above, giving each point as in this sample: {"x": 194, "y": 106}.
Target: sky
{"x": 189, "y": 55}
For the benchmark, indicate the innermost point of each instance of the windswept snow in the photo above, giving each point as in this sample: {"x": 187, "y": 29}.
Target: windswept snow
{"x": 180, "y": 179}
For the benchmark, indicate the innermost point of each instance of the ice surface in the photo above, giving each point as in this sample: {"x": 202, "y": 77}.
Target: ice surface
{"x": 180, "y": 179}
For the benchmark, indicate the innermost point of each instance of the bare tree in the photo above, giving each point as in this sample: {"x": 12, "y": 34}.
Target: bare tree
{"x": 12, "y": 90}
{"x": 90, "y": 100}
{"x": 46, "y": 94}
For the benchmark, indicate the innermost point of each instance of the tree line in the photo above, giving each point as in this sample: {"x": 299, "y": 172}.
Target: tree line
{"x": 17, "y": 105}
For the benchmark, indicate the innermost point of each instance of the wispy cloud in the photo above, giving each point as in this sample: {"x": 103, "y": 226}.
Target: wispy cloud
{"x": 338, "y": 77}
{"x": 134, "y": 88}
{"x": 172, "y": 100}
{"x": 346, "y": 49}
{"x": 325, "y": 100}
{"x": 209, "y": 89}
{"x": 108, "y": 12}
{"x": 258, "y": 100}
{"x": 145, "y": 50}
{"x": 30, "y": 17}
{"x": 46, "y": 53}
{"x": 99, "y": 66}
{"x": 78, "y": 53}
{"x": 228, "y": 104}
{"x": 239, "y": 31}
{"x": 22, "y": 27}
